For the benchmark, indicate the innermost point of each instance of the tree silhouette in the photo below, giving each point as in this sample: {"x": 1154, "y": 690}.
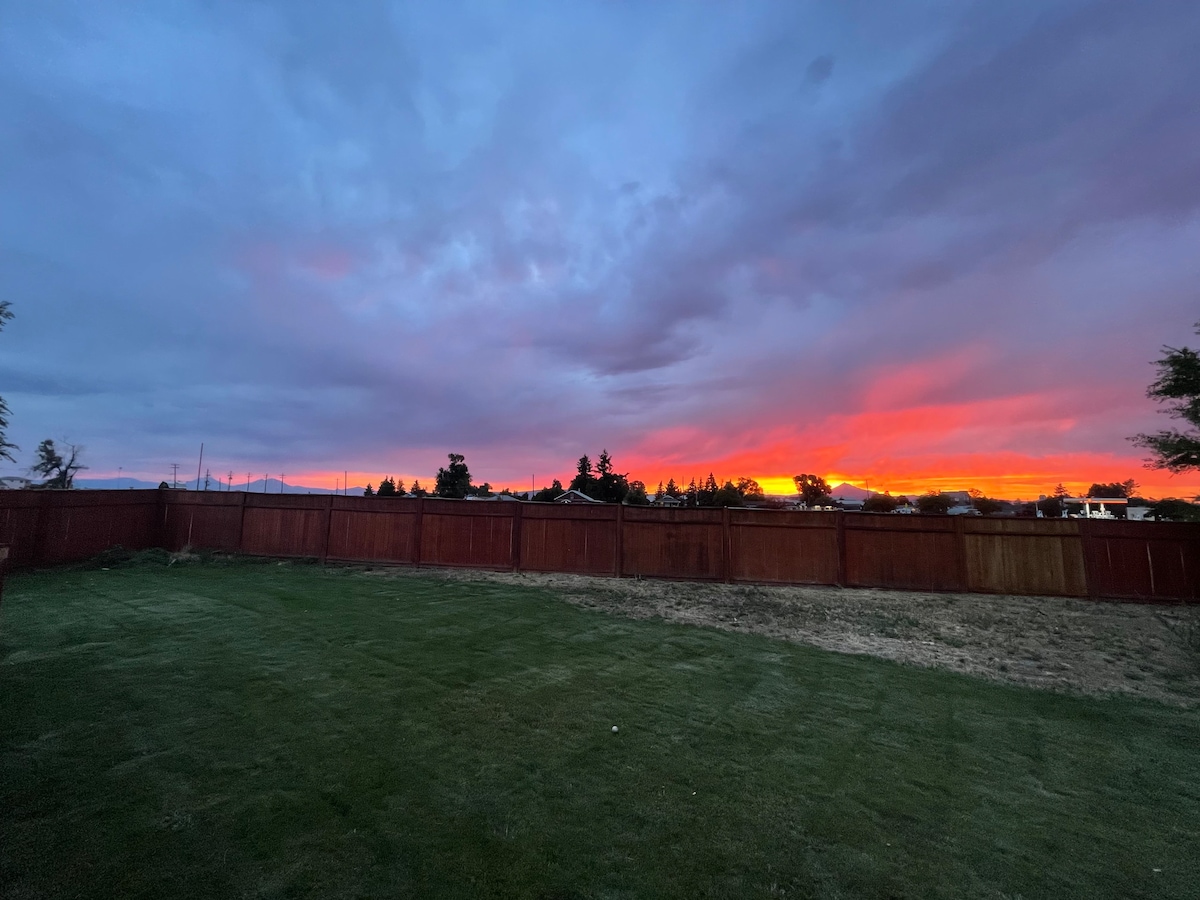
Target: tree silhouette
{"x": 5, "y": 447}
{"x": 58, "y": 471}
{"x": 454, "y": 481}
{"x": 1178, "y": 387}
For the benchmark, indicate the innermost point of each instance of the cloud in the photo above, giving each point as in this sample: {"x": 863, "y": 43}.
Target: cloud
{"x": 367, "y": 238}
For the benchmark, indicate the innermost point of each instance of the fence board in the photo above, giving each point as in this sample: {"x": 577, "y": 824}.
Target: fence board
{"x": 466, "y": 533}
{"x": 74, "y": 525}
{"x": 1152, "y": 561}
{"x": 782, "y": 547}
{"x": 384, "y": 536}
{"x": 920, "y": 554}
{"x": 569, "y": 537}
{"x": 204, "y": 520}
{"x": 673, "y": 543}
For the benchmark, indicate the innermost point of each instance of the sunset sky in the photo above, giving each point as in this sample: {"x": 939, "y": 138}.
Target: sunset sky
{"x": 921, "y": 244}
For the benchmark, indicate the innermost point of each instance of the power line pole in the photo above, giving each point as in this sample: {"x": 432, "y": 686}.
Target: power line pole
{"x": 266, "y": 478}
{"x": 174, "y": 474}
{"x": 199, "y": 464}
{"x": 207, "y": 474}
{"x": 230, "y": 488}
{"x": 281, "y": 477}
{"x": 247, "y": 482}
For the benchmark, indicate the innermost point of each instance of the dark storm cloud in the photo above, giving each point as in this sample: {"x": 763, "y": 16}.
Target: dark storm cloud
{"x": 380, "y": 231}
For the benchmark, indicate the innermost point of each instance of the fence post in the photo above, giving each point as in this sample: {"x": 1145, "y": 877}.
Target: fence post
{"x": 328, "y": 526}
{"x": 516, "y": 536}
{"x": 960, "y": 552}
{"x": 726, "y": 546}
{"x": 1087, "y": 543}
{"x": 417, "y": 532}
{"x": 161, "y": 542}
{"x": 619, "y": 562}
{"x": 241, "y": 520}
{"x": 38, "y": 551}
{"x": 840, "y": 533}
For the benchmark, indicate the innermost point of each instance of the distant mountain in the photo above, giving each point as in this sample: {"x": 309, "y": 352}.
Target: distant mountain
{"x": 846, "y": 491}
{"x": 270, "y": 486}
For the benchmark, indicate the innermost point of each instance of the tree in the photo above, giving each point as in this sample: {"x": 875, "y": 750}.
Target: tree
{"x": 986, "y": 506}
{"x": 704, "y": 497}
{"x": 1113, "y": 489}
{"x": 692, "y": 494}
{"x": 608, "y": 485}
{"x": 547, "y": 495}
{"x": 387, "y": 487}
{"x": 728, "y": 496}
{"x": 416, "y": 490}
{"x": 1060, "y": 492}
{"x": 637, "y": 494}
{"x": 934, "y": 503}
{"x": 5, "y": 447}
{"x": 453, "y": 481}
{"x": 368, "y": 491}
{"x": 1178, "y": 387}
{"x": 672, "y": 488}
{"x": 659, "y": 494}
{"x": 1176, "y": 511}
{"x": 58, "y": 472}
{"x": 1051, "y": 507}
{"x": 749, "y": 489}
{"x": 583, "y": 479}
{"x": 880, "y": 503}
{"x": 813, "y": 490}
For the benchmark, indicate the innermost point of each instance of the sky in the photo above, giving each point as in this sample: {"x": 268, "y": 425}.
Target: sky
{"x": 917, "y": 245}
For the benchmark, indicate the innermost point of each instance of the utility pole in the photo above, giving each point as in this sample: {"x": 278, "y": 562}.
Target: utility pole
{"x": 266, "y": 477}
{"x": 174, "y": 474}
{"x": 247, "y": 482}
{"x": 281, "y": 477}
{"x": 199, "y": 464}
{"x": 207, "y": 474}
{"x": 346, "y": 483}
{"x": 230, "y": 488}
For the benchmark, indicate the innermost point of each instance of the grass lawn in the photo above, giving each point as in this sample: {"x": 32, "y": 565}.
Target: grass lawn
{"x": 252, "y": 729}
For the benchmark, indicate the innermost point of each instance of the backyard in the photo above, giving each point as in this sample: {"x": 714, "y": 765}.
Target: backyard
{"x": 236, "y": 728}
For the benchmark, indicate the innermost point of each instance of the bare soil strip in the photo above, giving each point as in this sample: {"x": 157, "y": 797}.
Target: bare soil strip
{"x": 1057, "y": 643}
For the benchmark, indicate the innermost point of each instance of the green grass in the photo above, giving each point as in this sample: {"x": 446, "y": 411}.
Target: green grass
{"x": 253, "y": 729}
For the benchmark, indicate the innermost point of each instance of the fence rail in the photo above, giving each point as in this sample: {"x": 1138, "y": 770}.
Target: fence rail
{"x": 1145, "y": 561}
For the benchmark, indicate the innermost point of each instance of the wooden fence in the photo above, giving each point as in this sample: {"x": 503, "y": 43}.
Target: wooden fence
{"x": 1148, "y": 561}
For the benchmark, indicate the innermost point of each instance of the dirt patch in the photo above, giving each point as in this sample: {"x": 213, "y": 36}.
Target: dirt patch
{"x": 1051, "y": 642}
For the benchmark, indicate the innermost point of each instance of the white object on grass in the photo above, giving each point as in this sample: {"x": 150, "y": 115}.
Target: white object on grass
{"x": 614, "y": 729}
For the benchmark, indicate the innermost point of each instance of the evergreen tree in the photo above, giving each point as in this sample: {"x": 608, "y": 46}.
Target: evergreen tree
{"x": 704, "y": 497}
{"x": 693, "y": 493}
{"x": 583, "y": 480}
{"x": 608, "y": 485}
{"x": 1177, "y": 386}
{"x": 672, "y": 488}
{"x": 416, "y": 490}
{"x": 387, "y": 487}
{"x": 659, "y": 494}
{"x": 369, "y": 491}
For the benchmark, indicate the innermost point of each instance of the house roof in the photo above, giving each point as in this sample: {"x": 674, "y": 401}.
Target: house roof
{"x": 574, "y": 496}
